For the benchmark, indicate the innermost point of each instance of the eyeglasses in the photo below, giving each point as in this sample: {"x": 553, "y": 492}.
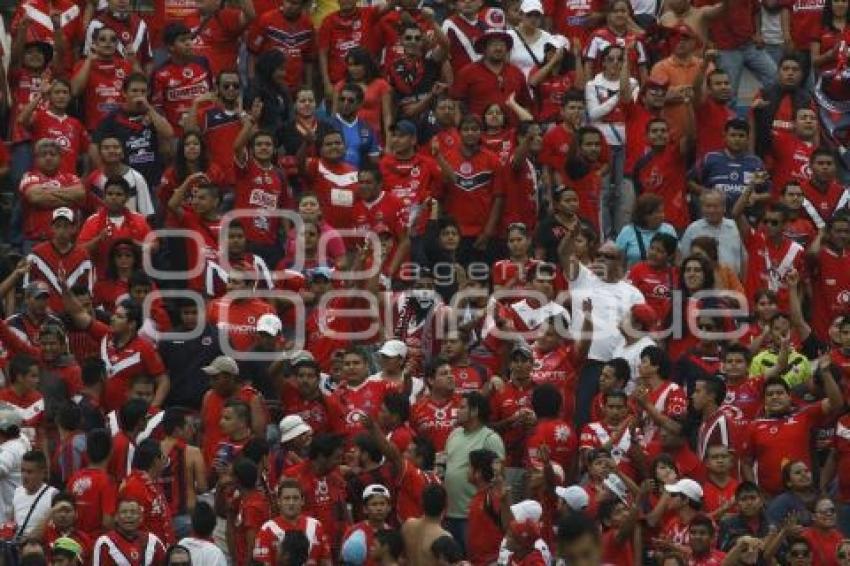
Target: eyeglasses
{"x": 228, "y": 86}
{"x": 827, "y": 511}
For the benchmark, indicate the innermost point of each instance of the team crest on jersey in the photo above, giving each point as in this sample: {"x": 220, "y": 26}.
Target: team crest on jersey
{"x": 465, "y": 168}
{"x": 414, "y": 171}
{"x": 773, "y": 430}
{"x": 119, "y": 73}
{"x": 188, "y": 73}
{"x": 125, "y": 37}
{"x": 844, "y": 297}
{"x": 134, "y": 554}
{"x": 206, "y": 341}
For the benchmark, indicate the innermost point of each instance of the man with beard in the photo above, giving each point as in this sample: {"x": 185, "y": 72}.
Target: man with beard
{"x": 830, "y": 276}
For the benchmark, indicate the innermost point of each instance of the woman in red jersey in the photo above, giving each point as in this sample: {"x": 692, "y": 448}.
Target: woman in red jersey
{"x": 831, "y": 48}
{"x": 498, "y": 136}
{"x": 512, "y": 273}
{"x": 124, "y": 258}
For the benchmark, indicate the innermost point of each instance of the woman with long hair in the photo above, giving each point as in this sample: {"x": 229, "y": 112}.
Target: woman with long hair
{"x": 123, "y": 259}
{"x": 647, "y": 221}
{"x": 695, "y": 275}
{"x": 305, "y": 122}
{"x": 834, "y": 41}
{"x": 377, "y": 109}
{"x": 192, "y": 167}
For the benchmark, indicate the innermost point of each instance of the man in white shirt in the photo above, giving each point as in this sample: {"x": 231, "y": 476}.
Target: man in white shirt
{"x": 32, "y": 500}
{"x": 613, "y": 298}
{"x": 200, "y": 545}
{"x": 635, "y": 329}
{"x": 730, "y": 251}
{"x": 13, "y": 446}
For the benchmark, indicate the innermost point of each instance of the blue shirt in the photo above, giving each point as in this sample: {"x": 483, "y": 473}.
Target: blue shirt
{"x": 627, "y": 240}
{"x": 359, "y": 139}
{"x": 729, "y": 174}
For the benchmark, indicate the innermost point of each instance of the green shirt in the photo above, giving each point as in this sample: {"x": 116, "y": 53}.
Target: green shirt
{"x": 458, "y": 446}
{"x": 799, "y": 367}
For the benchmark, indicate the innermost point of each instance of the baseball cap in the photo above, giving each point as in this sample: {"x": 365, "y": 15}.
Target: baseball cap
{"x": 222, "y": 364}
{"x": 320, "y": 272}
{"x": 645, "y": 315}
{"x": 291, "y": 427}
{"x": 270, "y": 324}
{"x": 522, "y": 349}
{"x": 527, "y": 510}
{"x": 394, "y": 349}
{"x": 68, "y": 547}
{"x": 529, "y": 6}
{"x": 574, "y": 496}
{"x": 405, "y": 127}
{"x": 9, "y": 417}
{"x": 37, "y": 289}
{"x": 63, "y": 212}
{"x": 375, "y": 489}
{"x": 687, "y": 487}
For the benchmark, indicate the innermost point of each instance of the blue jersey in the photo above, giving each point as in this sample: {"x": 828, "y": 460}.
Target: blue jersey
{"x": 359, "y": 139}
{"x": 728, "y": 174}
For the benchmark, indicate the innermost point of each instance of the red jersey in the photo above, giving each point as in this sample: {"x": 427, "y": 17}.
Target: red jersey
{"x": 259, "y": 189}
{"x": 711, "y": 116}
{"x": 474, "y": 86}
{"x": 95, "y": 495}
{"x": 324, "y": 499}
{"x": 295, "y": 38}
{"x": 24, "y": 84}
{"x": 478, "y": 180}
{"x": 339, "y": 33}
{"x": 830, "y": 290}
{"x": 506, "y": 271}
{"x": 604, "y": 37}
{"x": 29, "y": 406}
{"x": 385, "y": 34}
{"x": 484, "y": 520}
{"x": 550, "y": 94}
{"x": 220, "y": 128}
{"x": 558, "y": 436}
{"x": 216, "y": 38}
{"x": 745, "y": 398}
{"x": 824, "y": 544}
{"x": 165, "y": 11}
{"x": 132, "y": 32}
{"x": 363, "y": 399}
{"x": 252, "y": 513}
{"x": 721, "y": 429}
{"x": 769, "y": 263}
{"x": 713, "y": 558}
{"x": 435, "y": 421}
{"x": 656, "y": 285}
{"x": 616, "y": 552}
{"x": 560, "y": 368}
{"x": 323, "y": 328}
{"x": 334, "y": 185}
{"x": 801, "y": 230}
{"x": 411, "y": 181}
{"x": 521, "y": 196}
{"x": 556, "y": 145}
{"x": 589, "y": 189}
{"x": 502, "y": 143}
{"x": 54, "y": 268}
{"x": 789, "y": 160}
{"x": 174, "y": 87}
{"x": 238, "y": 319}
{"x": 504, "y": 404}
{"x": 323, "y": 415}
{"x": 665, "y": 174}
{"x": 773, "y": 442}
{"x": 67, "y": 131}
{"x": 597, "y": 434}
{"x": 408, "y": 491}
{"x": 571, "y": 17}
{"x": 51, "y": 533}
{"x": 136, "y": 357}
{"x": 670, "y": 400}
{"x": 386, "y": 210}
{"x": 636, "y": 117}
{"x": 716, "y": 496}
{"x": 156, "y": 514}
{"x": 129, "y": 225}
{"x": 273, "y": 532}
{"x": 172, "y": 478}
{"x": 462, "y": 34}
{"x": 806, "y": 20}
{"x": 104, "y": 90}
{"x": 211, "y": 409}
{"x": 114, "y": 549}
{"x": 821, "y": 203}
{"x": 37, "y": 218}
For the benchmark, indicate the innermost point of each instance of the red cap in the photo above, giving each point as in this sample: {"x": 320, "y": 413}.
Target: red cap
{"x": 657, "y": 82}
{"x": 645, "y": 315}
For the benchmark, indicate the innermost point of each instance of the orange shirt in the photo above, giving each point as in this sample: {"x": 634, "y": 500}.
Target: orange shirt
{"x": 676, "y": 73}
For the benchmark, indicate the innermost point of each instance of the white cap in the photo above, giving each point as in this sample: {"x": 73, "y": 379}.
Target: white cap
{"x": 291, "y": 427}
{"x": 270, "y": 324}
{"x": 9, "y": 417}
{"x": 376, "y": 489}
{"x": 394, "y": 349}
{"x": 616, "y": 486}
{"x": 687, "y": 487}
{"x": 527, "y": 510}
{"x": 222, "y": 364}
{"x": 63, "y": 212}
{"x": 574, "y": 496}
{"x": 529, "y": 6}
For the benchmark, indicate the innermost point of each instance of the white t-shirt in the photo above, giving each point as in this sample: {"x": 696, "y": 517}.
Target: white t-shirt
{"x": 611, "y": 302}
{"x": 520, "y": 56}
{"x": 631, "y": 353}
{"x": 23, "y": 501}
{"x": 11, "y": 455}
{"x": 203, "y": 552}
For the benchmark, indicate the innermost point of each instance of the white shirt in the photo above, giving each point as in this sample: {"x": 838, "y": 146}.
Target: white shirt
{"x": 11, "y": 454}
{"x": 24, "y": 501}
{"x": 520, "y": 56}
{"x": 631, "y": 353}
{"x": 603, "y": 97}
{"x": 203, "y": 552}
{"x": 611, "y": 303}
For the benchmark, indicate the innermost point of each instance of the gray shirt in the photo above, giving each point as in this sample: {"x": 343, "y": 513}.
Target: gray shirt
{"x": 458, "y": 446}
{"x": 729, "y": 247}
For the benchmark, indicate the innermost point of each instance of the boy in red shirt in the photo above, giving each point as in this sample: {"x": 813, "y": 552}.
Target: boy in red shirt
{"x": 489, "y": 508}
{"x": 94, "y": 491}
{"x": 249, "y": 514}
{"x": 378, "y": 505}
{"x": 141, "y": 486}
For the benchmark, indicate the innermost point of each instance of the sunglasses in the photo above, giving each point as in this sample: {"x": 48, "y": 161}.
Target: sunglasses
{"x": 827, "y": 511}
